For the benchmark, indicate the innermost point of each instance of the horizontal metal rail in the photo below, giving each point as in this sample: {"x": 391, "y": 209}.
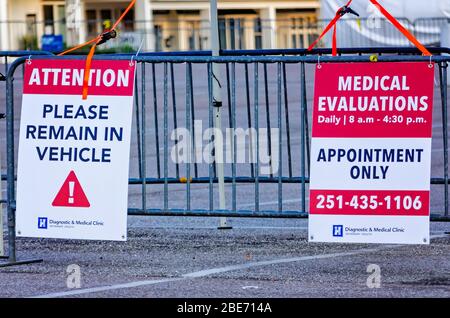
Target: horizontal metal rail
{"x": 316, "y": 51}
{"x": 218, "y": 213}
{"x": 23, "y": 53}
{"x": 247, "y": 59}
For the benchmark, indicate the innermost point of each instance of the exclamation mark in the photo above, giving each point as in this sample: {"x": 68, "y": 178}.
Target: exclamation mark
{"x": 71, "y": 187}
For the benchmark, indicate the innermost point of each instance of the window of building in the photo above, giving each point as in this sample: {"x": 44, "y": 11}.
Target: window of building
{"x": 297, "y": 29}
{"x": 158, "y": 37}
{"x": 106, "y": 19}
{"x": 232, "y": 35}
{"x": 54, "y": 16}
{"x": 194, "y": 36}
{"x": 128, "y": 21}
{"x": 239, "y": 29}
{"x": 298, "y": 32}
{"x": 49, "y": 19}
{"x": 258, "y": 33}
{"x": 31, "y": 24}
{"x": 61, "y": 23}
{"x": 61, "y": 13}
{"x": 105, "y": 14}
{"x": 91, "y": 17}
{"x": 222, "y": 34}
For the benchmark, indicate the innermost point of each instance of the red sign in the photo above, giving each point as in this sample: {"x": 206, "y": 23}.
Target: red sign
{"x": 371, "y": 152}
{"x": 71, "y": 194}
{"x": 65, "y": 77}
{"x": 373, "y": 100}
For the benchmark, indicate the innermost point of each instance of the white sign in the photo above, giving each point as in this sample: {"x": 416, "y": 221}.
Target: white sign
{"x": 72, "y": 179}
{"x": 371, "y": 153}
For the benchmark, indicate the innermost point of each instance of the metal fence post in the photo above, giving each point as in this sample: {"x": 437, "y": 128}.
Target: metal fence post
{"x": 10, "y": 191}
{"x": 443, "y": 83}
{"x": 304, "y": 133}
{"x": 217, "y": 104}
{"x": 2, "y": 252}
{"x": 10, "y": 168}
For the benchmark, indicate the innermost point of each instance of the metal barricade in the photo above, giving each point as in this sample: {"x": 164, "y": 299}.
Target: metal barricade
{"x": 263, "y": 93}
{"x": 5, "y": 57}
{"x": 263, "y": 109}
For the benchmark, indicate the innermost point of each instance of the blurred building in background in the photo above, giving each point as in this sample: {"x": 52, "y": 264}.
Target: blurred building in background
{"x": 180, "y": 25}
{"x": 428, "y": 20}
{"x": 163, "y": 25}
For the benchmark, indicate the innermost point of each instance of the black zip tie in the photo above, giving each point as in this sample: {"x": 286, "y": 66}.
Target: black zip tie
{"x": 217, "y": 103}
{"x": 106, "y": 36}
{"x": 217, "y": 80}
{"x": 345, "y": 10}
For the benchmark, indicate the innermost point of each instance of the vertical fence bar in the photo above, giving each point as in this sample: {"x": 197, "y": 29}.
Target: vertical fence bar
{"x": 210, "y": 117}
{"x": 305, "y": 120}
{"x": 175, "y": 122}
{"x": 280, "y": 142}
{"x": 233, "y": 126}
{"x": 230, "y": 111}
{"x": 155, "y": 111}
{"x": 304, "y": 132}
{"x": 256, "y": 114}
{"x": 188, "y": 127}
{"x": 266, "y": 89}
{"x": 288, "y": 131}
{"x": 443, "y": 81}
{"x": 166, "y": 142}
{"x": 228, "y": 92}
{"x": 138, "y": 127}
{"x": 193, "y": 118}
{"x": 249, "y": 119}
{"x": 143, "y": 141}
{"x": 214, "y": 158}
{"x": 10, "y": 194}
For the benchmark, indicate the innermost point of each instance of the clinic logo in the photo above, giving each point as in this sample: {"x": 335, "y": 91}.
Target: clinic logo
{"x": 42, "y": 223}
{"x": 338, "y": 230}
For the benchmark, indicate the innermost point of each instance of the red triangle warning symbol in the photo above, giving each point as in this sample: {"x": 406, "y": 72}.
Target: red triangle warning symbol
{"x": 71, "y": 193}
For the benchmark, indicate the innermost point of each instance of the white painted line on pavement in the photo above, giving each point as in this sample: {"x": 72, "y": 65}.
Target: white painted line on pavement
{"x": 262, "y": 227}
{"x": 219, "y": 270}
{"x": 106, "y": 288}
